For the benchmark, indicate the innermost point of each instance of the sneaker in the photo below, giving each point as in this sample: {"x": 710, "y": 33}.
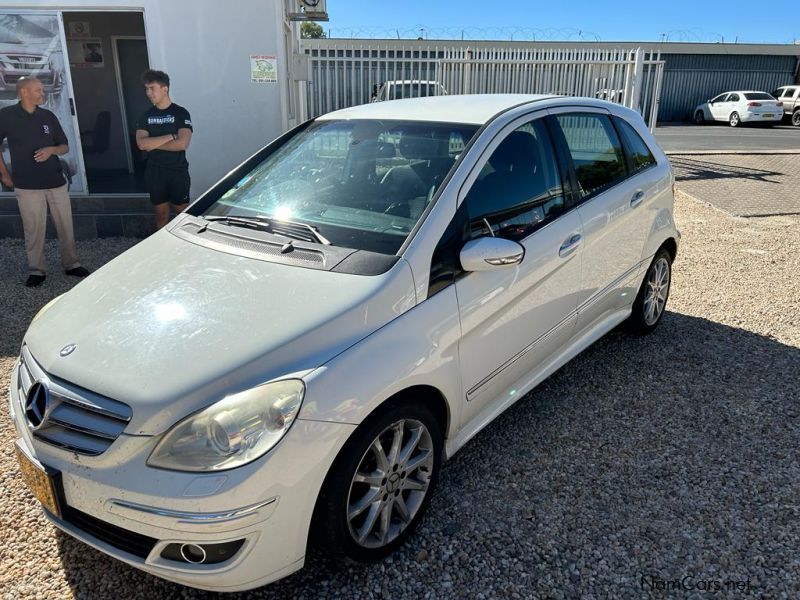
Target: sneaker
{"x": 77, "y": 272}
{"x": 35, "y": 280}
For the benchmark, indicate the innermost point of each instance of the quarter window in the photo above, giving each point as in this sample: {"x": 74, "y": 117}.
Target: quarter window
{"x": 595, "y": 149}
{"x": 519, "y": 188}
{"x": 641, "y": 157}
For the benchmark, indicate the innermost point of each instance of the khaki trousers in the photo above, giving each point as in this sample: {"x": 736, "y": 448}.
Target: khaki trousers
{"x": 33, "y": 209}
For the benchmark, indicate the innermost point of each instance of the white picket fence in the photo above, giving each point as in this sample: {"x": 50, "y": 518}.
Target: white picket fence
{"x": 346, "y": 73}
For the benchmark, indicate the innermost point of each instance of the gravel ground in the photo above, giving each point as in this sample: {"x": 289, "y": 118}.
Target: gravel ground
{"x": 644, "y": 459}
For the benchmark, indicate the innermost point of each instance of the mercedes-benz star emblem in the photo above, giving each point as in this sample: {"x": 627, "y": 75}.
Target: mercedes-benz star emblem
{"x": 68, "y": 349}
{"x": 36, "y": 404}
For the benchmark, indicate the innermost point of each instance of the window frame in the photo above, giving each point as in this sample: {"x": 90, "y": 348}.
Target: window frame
{"x": 632, "y": 171}
{"x": 557, "y": 132}
{"x": 471, "y": 179}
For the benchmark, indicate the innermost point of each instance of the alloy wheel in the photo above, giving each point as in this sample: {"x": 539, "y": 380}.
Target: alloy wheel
{"x": 656, "y": 291}
{"x": 390, "y": 483}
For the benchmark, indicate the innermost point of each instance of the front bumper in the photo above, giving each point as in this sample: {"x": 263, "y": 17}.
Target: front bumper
{"x": 114, "y": 501}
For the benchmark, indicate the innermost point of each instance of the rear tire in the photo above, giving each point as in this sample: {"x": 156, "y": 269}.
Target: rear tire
{"x": 734, "y": 120}
{"x": 651, "y": 301}
{"x": 380, "y": 484}
{"x": 699, "y": 118}
{"x": 796, "y": 118}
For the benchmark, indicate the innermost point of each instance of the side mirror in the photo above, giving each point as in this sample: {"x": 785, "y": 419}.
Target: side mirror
{"x": 490, "y": 253}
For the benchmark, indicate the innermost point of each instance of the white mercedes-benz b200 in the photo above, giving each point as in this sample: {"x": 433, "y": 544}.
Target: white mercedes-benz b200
{"x": 293, "y": 357}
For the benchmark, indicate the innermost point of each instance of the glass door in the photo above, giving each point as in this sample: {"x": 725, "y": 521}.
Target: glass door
{"x": 32, "y": 44}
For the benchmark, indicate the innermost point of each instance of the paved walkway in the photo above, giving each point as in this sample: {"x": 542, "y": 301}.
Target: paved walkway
{"x": 742, "y": 185}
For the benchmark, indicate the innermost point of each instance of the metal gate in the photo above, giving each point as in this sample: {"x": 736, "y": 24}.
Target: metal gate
{"x": 344, "y": 73}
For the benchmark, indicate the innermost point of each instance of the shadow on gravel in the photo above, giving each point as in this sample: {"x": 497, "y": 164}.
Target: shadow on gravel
{"x": 644, "y": 459}
{"x": 694, "y": 169}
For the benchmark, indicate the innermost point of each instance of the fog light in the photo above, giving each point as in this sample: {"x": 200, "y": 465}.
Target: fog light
{"x": 201, "y": 554}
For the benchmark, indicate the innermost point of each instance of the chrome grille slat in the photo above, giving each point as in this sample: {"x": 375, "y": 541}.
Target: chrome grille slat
{"x": 77, "y": 420}
{"x": 80, "y": 429}
{"x": 92, "y": 408}
{"x": 74, "y": 440}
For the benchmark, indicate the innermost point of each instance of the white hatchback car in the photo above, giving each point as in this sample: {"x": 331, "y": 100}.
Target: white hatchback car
{"x": 293, "y": 357}
{"x": 740, "y": 107}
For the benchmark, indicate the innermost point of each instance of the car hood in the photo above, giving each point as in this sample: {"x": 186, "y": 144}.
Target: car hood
{"x": 169, "y": 327}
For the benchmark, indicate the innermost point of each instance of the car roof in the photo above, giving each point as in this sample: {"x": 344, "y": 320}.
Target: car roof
{"x": 473, "y": 108}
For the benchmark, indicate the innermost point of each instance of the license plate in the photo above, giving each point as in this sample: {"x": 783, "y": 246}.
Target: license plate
{"x": 41, "y": 481}
{"x": 767, "y": 116}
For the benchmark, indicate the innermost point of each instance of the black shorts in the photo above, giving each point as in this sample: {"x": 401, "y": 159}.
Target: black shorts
{"x": 167, "y": 185}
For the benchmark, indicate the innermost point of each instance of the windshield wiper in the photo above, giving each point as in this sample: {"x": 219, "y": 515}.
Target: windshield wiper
{"x": 291, "y": 229}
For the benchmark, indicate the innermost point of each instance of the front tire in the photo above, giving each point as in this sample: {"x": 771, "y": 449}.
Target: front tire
{"x": 381, "y": 483}
{"x": 796, "y": 118}
{"x": 734, "y": 120}
{"x": 699, "y": 118}
{"x": 651, "y": 301}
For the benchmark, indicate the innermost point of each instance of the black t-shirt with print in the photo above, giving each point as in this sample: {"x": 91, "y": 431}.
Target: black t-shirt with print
{"x": 158, "y": 122}
{"x": 26, "y": 133}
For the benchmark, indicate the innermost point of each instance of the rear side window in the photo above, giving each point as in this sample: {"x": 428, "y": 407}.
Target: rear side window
{"x": 640, "y": 154}
{"x": 519, "y": 188}
{"x": 595, "y": 149}
{"x": 789, "y": 93}
{"x": 733, "y": 98}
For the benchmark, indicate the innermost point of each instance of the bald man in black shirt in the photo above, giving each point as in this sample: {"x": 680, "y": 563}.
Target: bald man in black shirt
{"x": 36, "y": 140}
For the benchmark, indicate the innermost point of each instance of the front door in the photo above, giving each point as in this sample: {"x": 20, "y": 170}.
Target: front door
{"x": 718, "y": 107}
{"x": 514, "y": 318}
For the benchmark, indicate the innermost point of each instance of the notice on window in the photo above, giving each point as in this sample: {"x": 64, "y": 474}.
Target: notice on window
{"x": 263, "y": 69}
{"x": 86, "y": 53}
{"x": 79, "y": 29}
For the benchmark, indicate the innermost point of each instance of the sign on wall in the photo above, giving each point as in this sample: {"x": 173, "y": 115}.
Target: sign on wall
{"x": 263, "y": 69}
{"x": 79, "y": 29}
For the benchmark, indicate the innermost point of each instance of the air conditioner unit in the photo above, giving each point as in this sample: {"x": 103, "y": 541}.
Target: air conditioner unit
{"x": 310, "y": 10}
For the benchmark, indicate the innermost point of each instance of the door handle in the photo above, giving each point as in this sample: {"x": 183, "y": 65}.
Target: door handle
{"x": 570, "y": 245}
{"x": 637, "y": 199}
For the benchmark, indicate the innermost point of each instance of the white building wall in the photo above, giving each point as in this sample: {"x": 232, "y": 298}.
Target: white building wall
{"x": 205, "y": 47}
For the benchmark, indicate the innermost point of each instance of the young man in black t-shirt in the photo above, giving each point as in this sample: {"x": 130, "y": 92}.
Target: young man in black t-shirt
{"x": 164, "y": 132}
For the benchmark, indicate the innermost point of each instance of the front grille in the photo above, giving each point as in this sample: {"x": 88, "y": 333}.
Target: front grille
{"x": 122, "y": 539}
{"x": 72, "y": 418}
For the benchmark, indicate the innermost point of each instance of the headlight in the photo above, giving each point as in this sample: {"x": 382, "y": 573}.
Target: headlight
{"x": 233, "y": 432}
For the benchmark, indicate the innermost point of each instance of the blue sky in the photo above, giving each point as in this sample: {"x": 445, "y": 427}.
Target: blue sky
{"x": 622, "y": 20}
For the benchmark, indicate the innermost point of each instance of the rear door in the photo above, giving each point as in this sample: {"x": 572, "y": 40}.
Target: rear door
{"x": 612, "y": 207}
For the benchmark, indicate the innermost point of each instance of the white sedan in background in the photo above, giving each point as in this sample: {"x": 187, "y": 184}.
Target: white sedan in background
{"x": 740, "y": 107}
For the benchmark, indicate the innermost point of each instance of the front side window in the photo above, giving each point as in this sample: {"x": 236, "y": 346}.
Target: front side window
{"x": 641, "y": 157}
{"x": 789, "y": 93}
{"x": 595, "y": 149}
{"x": 519, "y": 188}
{"x": 361, "y": 184}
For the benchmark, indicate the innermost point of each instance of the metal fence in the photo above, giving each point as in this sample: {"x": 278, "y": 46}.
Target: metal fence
{"x": 345, "y": 74}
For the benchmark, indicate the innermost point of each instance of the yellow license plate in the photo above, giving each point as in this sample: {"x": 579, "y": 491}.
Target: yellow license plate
{"x": 767, "y": 116}
{"x": 41, "y": 482}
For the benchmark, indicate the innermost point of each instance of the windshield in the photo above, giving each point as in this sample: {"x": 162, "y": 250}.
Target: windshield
{"x": 361, "y": 184}
{"x": 758, "y": 96}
